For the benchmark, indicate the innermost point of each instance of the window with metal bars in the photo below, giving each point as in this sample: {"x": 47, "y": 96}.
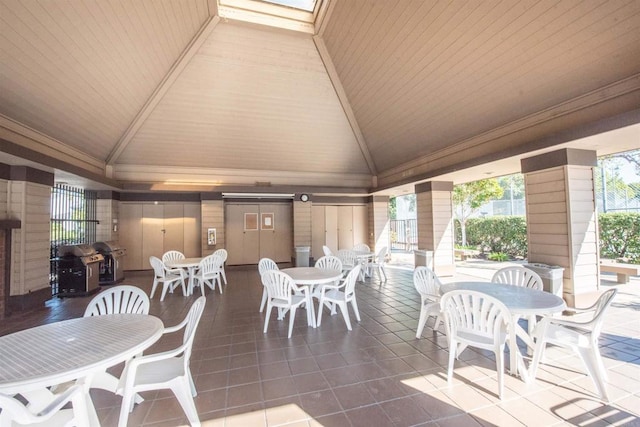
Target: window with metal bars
{"x": 73, "y": 221}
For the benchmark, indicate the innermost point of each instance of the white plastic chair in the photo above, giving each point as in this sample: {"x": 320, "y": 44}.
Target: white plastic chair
{"x": 477, "y": 320}
{"x": 579, "y": 334}
{"x": 284, "y": 294}
{"x": 166, "y": 370}
{"x": 223, "y": 255}
{"x": 168, "y": 279}
{"x": 379, "y": 262}
{"x": 428, "y": 286}
{"x": 340, "y": 295}
{"x": 15, "y": 413}
{"x": 171, "y": 256}
{"x": 362, "y": 247}
{"x": 520, "y": 276}
{"x": 348, "y": 258}
{"x": 328, "y": 262}
{"x": 326, "y": 250}
{"x": 117, "y": 300}
{"x": 209, "y": 272}
{"x": 265, "y": 264}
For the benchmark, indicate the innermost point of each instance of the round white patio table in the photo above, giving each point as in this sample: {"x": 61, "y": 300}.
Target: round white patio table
{"x": 190, "y": 264}
{"x": 73, "y": 349}
{"x": 310, "y": 277}
{"x": 521, "y": 302}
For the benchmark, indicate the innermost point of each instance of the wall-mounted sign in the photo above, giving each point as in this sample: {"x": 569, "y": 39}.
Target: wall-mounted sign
{"x": 250, "y": 221}
{"x": 267, "y": 222}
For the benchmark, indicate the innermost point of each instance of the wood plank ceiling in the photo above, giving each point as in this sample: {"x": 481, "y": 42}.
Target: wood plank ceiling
{"x": 167, "y": 91}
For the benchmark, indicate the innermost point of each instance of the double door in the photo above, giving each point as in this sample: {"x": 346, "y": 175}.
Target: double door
{"x": 152, "y": 229}
{"x": 338, "y": 227}
{"x": 258, "y": 230}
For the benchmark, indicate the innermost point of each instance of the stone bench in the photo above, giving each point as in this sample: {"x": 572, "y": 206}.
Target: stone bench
{"x": 622, "y": 270}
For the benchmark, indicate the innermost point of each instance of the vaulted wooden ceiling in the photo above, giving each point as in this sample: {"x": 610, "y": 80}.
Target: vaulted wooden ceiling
{"x": 358, "y": 96}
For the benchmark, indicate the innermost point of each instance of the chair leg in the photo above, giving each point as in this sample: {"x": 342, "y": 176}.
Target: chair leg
{"x": 153, "y": 287}
{"x": 499, "y": 352}
{"x": 452, "y": 355}
{"x": 264, "y": 299}
{"x": 537, "y": 358}
{"x": 224, "y": 276}
{"x": 422, "y": 321}
{"x": 165, "y": 286}
{"x": 595, "y": 371}
{"x": 320, "y": 310}
{"x": 355, "y": 307}
{"x": 266, "y": 318}
{"x": 345, "y": 313}
{"x": 182, "y": 391}
{"x": 292, "y": 318}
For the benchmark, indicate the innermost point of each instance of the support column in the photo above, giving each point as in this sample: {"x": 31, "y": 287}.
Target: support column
{"x": 379, "y": 223}
{"x": 434, "y": 203}
{"x": 562, "y": 226}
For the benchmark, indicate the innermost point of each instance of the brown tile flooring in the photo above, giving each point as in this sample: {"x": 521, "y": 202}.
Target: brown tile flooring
{"x": 379, "y": 374}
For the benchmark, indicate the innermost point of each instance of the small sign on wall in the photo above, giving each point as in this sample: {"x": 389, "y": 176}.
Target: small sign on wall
{"x": 267, "y": 222}
{"x": 211, "y": 237}
{"x": 250, "y": 221}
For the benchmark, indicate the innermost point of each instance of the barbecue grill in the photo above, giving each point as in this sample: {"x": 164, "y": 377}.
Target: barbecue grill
{"x": 111, "y": 269}
{"x": 78, "y": 269}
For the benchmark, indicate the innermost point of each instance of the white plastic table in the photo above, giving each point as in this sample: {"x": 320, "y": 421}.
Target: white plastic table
{"x": 310, "y": 277}
{"x": 55, "y": 353}
{"x": 189, "y": 264}
{"x": 521, "y": 302}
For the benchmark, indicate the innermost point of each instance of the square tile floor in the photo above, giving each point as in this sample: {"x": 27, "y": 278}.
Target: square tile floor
{"x": 378, "y": 374}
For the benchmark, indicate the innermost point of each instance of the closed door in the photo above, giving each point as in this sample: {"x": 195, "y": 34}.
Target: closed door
{"x": 345, "y": 227}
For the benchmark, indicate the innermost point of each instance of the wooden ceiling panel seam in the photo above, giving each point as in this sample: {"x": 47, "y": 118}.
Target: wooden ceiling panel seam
{"x": 171, "y": 76}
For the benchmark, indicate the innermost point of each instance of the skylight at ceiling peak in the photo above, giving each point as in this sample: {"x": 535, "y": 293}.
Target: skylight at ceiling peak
{"x": 297, "y": 15}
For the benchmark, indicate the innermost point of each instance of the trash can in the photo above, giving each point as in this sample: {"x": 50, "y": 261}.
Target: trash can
{"x": 551, "y": 276}
{"x": 423, "y": 258}
{"x": 302, "y": 256}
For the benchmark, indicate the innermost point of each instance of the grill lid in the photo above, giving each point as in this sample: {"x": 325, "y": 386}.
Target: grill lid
{"x": 76, "y": 250}
{"x": 108, "y": 246}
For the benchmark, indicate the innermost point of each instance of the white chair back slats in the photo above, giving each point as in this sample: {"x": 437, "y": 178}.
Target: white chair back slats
{"x": 329, "y": 262}
{"x": 119, "y": 299}
{"x": 518, "y": 276}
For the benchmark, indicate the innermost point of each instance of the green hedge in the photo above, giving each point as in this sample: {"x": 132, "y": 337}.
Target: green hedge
{"x": 619, "y": 235}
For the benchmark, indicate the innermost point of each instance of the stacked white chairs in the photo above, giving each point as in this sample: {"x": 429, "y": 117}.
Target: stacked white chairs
{"x": 427, "y": 284}
{"x": 579, "y": 333}
{"x": 340, "y": 295}
{"x": 116, "y": 300}
{"x": 378, "y": 263}
{"x": 209, "y": 272}
{"x": 52, "y": 414}
{"x": 264, "y": 265}
{"x": 166, "y": 370}
{"x": 223, "y": 255}
{"x": 171, "y": 256}
{"x": 169, "y": 279}
{"x": 477, "y": 320}
{"x": 284, "y": 294}
{"x": 328, "y": 262}
{"x": 520, "y": 276}
{"x": 326, "y": 250}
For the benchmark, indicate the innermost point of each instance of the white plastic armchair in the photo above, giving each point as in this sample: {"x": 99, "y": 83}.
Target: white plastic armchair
{"x": 168, "y": 279}
{"x": 428, "y": 286}
{"x": 209, "y": 272}
{"x": 166, "y": 370}
{"x": 379, "y": 262}
{"x": 340, "y": 295}
{"x": 326, "y": 250}
{"x": 284, "y": 294}
{"x": 171, "y": 256}
{"x": 362, "y": 247}
{"x": 117, "y": 300}
{"x": 223, "y": 255}
{"x": 478, "y": 320}
{"x": 265, "y": 264}
{"x": 520, "y": 276}
{"x": 348, "y": 258}
{"x": 14, "y": 412}
{"x": 579, "y": 333}
{"x": 328, "y": 262}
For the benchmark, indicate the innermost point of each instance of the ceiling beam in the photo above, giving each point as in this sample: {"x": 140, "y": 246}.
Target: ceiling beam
{"x": 344, "y": 101}
{"x": 190, "y": 51}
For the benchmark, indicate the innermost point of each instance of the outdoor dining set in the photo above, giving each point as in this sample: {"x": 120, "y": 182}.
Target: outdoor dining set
{"x": 45, "y": 368}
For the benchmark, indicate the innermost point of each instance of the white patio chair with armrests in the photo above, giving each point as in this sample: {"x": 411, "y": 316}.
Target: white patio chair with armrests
{"x": 378, "y": 263}
{"x": 223, "y": 255}
{"x": 348, "y": 258}
{"x": 340, "y": 295}
{"x": 166, "y": 370}
{"x": 117, "y": 300}
{"x": 365, "y": 262}
{"x": 361, "y": 247}
{"x": 579, "y": 333}
{"x": 478, "y": 320}
{"x": 326, "y": 250}
{"x": 427, "y": 284}
{"x": 265, "y": 264}
{"x": 168, "y": 279}
{"x": 171, "y": 256}
{"x": 284, "y": 294}
{"x": 15, "y": 413}
{"x": 329, "y": 262}
{"x": 209, "y": 272}
{"x": 520, "y": 276}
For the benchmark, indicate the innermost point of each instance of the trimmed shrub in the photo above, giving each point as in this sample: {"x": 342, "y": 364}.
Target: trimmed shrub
{"x": 620, "y": 236}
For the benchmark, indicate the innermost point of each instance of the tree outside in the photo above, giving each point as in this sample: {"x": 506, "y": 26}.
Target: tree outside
{"x": 468, "y": 199}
